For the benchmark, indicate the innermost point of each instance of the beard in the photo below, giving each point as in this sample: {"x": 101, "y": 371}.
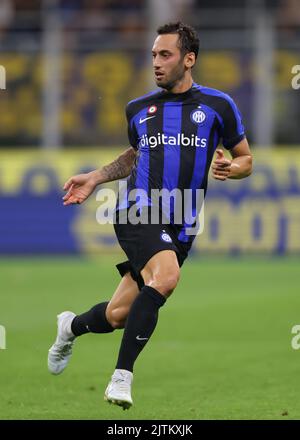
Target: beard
{"x": 172, "y": 79}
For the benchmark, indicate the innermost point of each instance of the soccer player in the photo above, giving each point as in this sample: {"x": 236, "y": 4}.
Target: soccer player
{"x": 174, "y": 133}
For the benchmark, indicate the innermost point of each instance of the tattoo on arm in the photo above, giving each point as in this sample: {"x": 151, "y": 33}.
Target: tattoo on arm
{"x": 119, "y": 168}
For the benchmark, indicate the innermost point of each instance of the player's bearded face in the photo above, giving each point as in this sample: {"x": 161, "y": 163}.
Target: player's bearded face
{"x": 171, "y": 75}
{"x": 168, "y": 62}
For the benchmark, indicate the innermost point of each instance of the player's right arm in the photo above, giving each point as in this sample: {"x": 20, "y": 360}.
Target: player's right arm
{"x": 80, "y": 187}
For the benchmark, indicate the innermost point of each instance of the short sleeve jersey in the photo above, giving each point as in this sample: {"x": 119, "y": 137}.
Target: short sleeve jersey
{"x": 175, "y": 136}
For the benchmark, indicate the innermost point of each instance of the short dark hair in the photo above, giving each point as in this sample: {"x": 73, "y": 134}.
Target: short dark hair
{"x": 188, "y": 38}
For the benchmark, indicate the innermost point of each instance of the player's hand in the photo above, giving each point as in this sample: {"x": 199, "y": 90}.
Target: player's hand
{"x": 221, "y": 166}
{"x": 79, "y": 188}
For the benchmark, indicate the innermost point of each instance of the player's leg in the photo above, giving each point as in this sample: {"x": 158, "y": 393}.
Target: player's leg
{"x": 161, "y": 275}
{"x": 101, "y": 318}
{"x": 121, "y": 301}
{"x": 109, "y": 315}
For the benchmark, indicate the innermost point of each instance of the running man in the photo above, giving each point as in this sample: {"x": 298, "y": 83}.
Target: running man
{"x": 173, "y": 134}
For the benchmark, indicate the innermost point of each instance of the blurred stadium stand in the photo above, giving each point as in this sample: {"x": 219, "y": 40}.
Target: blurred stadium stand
{"x": 71, "y": 67}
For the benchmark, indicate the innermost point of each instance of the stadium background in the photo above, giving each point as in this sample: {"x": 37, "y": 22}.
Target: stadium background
{"x": 71, "y": 66}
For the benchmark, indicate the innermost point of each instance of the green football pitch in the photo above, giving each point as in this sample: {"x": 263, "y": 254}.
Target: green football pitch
{"x": 221, "y": 350}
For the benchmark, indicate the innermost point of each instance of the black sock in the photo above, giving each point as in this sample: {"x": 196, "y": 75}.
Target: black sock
{"x": 140, "y": 324}
{"x": 93, "y": 321}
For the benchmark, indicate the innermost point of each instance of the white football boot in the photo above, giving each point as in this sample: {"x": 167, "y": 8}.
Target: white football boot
{"x": 118, "y": 390}
{"x": 61, "y": 351}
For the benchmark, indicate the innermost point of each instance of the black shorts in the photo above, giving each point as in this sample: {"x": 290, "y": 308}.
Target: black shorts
{"x": 140, "y": 242}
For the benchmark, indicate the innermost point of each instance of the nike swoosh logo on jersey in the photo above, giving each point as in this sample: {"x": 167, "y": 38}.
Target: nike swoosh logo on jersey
{"x": 141, "y": 339}
{"x": 145, "y": 119}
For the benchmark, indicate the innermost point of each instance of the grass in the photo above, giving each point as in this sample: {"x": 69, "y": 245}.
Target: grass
{"x": 221, "y": 350}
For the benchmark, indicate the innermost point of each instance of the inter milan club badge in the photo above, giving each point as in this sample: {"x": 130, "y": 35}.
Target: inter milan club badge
{"x": 198, "y": 116}
{"x": 152, "y": 109}
{"x": 165, "y": 237}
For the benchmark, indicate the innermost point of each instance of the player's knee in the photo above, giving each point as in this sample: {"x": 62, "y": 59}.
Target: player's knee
{"x": 116, "y": 317}
{"x": 165, "y": 283}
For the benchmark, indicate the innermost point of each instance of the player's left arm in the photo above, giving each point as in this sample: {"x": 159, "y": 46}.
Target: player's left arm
{"x": 238, "y": 167}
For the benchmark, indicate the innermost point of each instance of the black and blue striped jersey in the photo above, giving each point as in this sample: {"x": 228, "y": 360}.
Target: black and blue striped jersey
{"x": 175, "y": 135}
